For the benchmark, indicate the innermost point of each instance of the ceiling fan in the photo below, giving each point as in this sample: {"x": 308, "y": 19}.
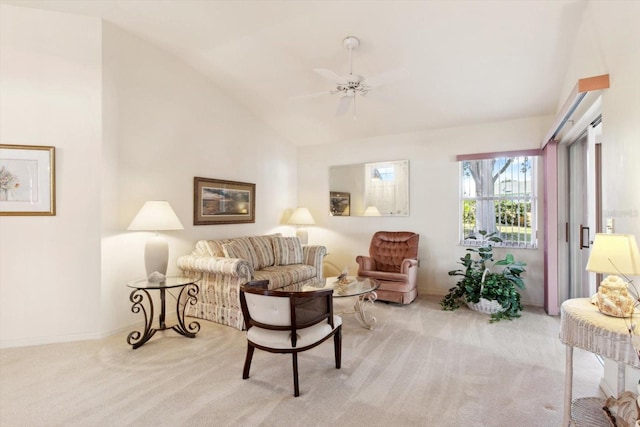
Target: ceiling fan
{"x": 348, "y": 86}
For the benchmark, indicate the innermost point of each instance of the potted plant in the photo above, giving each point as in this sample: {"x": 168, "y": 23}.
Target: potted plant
{"x": 484, "y": 290}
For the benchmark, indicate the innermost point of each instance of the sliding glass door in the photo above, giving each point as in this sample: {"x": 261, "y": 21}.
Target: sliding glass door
{"x": 583, "y": 208}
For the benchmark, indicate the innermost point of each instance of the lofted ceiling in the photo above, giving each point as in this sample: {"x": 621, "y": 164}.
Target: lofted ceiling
{"x": 445, "y": 63}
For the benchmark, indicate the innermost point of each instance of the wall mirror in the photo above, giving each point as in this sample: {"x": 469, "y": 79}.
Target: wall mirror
{"x": 369, "y": 189}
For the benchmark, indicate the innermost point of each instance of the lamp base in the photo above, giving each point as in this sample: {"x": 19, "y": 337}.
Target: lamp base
{"x": 156, "y": 257}
{"x": 302, "y": 234}
{"x": 613, "y": 298}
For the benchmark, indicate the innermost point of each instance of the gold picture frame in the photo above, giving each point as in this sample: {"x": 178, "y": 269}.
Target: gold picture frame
{"x": 27, "y": 180}
{"x": 217, "y": 201}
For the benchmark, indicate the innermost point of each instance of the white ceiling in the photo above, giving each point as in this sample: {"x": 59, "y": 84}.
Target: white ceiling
{"x": 454, "y": 62}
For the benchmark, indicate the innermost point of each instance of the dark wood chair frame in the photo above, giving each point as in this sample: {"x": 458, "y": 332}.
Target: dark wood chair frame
{"x": 297, "y": 300}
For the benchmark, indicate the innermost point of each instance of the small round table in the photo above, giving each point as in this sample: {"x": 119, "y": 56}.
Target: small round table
{"x": 188, "y": 295}
{"x": 361, "y": 287}
{"x": 583, "y": 326}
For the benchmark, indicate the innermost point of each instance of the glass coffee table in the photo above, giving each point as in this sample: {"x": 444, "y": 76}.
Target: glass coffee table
{"x": 363, "y": 288}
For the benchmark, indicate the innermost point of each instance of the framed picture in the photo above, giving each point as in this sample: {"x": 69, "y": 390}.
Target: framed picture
{"x": 223, "y": 202}
{"x": 339, "y": 203}
{"x": 27, "y": 180}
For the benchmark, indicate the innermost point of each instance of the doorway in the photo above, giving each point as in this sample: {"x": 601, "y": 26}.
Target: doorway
{"x": 583, "y": 208}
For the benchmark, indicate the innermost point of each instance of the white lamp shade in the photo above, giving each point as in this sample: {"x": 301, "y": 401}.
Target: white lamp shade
{"x": 614, "y": 254}
{"x": 301, "y": 216}
{"x": 155, "y": 215}
{"x": 371, "y": 211}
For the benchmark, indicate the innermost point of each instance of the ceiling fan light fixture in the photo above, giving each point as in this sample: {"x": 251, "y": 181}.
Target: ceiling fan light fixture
{"x": 351, "y": 42}
{"x": 348, "y": 86}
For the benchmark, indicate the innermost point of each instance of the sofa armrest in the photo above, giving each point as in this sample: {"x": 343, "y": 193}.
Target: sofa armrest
{"x": 365, "y": 263}
{"x": 216, "y": 265}
{"x": 314, "y": 255}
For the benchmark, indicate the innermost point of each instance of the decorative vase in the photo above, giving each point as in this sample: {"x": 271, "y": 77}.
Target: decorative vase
{"x": 3, "y": 194}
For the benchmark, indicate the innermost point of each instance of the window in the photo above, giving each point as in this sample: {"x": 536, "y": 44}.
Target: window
{"x": 498, "y": 194}
{"x": 385, "y": 187}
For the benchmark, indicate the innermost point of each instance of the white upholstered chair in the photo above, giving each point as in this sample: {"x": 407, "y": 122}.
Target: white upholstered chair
{"x": 288, "y": 322}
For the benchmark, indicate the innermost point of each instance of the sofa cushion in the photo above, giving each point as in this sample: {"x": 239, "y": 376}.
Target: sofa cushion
{"x": 287, "y": 250}
{"x": 384, "y": 275}
{"x": 282, "y": 339}
{"x": 279, "y": 276}
{"x": 263, "y": 247}
{"x": 241, "y": 248}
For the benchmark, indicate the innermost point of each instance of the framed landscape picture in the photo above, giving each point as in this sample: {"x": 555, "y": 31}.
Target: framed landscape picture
{"x": 27, "y": 180}
{"x": 339, "y": 203}
{"x": 217, "y": 201}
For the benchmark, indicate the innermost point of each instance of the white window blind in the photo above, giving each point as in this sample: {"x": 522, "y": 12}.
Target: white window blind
{"x": 498, "y": 194}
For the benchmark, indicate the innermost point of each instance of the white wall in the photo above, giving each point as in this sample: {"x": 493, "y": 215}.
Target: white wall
{"x": 433, "y": 192}
{"x": 607, "y": 43}
{"x": 50, "y": 94}
{"x": 62, "y": 277}
{"x": 130, "y": 123}
{"x": 165, "y": 124}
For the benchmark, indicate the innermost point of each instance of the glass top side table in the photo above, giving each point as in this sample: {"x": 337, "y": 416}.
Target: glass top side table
{"x": 363, "y": 288}
{"x": 142, "y": 302}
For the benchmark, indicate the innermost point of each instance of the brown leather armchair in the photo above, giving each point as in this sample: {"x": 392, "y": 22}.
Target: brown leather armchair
{"x": 393, "y": 261}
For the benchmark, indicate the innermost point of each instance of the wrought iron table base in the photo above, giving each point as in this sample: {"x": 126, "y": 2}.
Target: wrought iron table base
{"x": 137, "y": 297}
{"x": 360, "y": 309}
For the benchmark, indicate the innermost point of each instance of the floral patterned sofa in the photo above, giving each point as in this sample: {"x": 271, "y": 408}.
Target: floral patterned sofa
{"x": 227, "y": 264}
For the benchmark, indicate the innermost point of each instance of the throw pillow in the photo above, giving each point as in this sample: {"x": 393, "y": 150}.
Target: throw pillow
{"x": 240, "y": 248}
{"x": 264, "y": 250}
{"x": 287, "y": 250}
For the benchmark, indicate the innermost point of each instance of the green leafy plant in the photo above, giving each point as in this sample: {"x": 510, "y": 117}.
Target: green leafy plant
{"x": 478, "y": 281}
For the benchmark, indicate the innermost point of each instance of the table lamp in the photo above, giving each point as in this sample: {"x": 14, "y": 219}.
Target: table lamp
{"x": 615, "y": 254}
{"x": 156, "y": 215}
{"x": 371, "y": 211}
{"x": 301, "y": 217}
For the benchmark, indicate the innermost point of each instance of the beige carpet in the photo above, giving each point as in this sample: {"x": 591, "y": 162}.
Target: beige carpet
{"x": 419, "y": 367}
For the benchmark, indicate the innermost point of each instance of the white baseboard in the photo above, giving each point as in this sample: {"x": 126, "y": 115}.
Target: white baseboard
{"x": 32, "y": 341}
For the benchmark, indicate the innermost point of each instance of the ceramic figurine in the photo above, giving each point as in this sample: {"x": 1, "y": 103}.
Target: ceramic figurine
{"x": 613, "y": 298}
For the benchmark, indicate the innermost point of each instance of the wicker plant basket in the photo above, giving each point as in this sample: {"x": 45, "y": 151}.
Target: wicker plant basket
{"x": 484, "y": 305}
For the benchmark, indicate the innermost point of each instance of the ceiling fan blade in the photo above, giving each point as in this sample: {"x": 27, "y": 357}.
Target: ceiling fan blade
{"x": 343, "y": 105}
{"x": 330, "y": 75}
